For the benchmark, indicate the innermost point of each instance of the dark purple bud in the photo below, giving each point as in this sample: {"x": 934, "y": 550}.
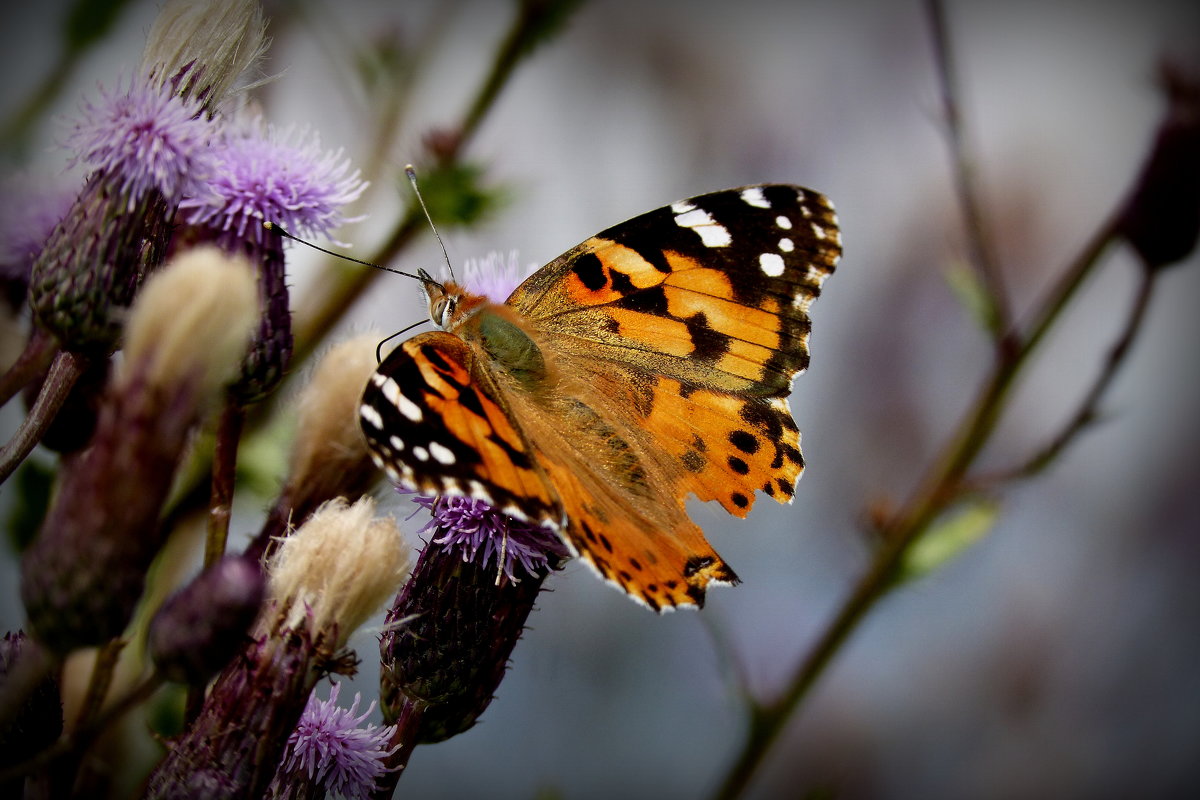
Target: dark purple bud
{"x": 202, "y": 626}
{"x": 1161, "y": 220}
{"x": 38, "y": 721}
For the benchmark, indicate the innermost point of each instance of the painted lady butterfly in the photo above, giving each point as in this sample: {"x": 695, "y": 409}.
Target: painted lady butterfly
{"x": 651, "y": 362}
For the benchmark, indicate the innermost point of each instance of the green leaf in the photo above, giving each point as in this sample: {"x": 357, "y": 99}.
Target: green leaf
{"x": 972, "y": 294}
{"x": 455, "y": 195}
{"x": 948, "y": 538}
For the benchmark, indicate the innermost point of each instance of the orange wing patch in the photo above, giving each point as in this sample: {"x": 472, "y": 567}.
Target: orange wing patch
{"x": 655, "y": 554}
{"x": 729, "y": 447}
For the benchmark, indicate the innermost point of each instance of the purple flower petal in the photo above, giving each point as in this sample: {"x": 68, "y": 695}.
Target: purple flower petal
{"x": 482, "y": 534}
{"x": 145, "y": 138}
{"x": 331, "y": 746}
{"x": 267, "y": 174}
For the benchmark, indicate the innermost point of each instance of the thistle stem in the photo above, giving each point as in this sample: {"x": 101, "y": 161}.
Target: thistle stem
{"x": 64, "y": 372}
{"x": 37, "y": 355}
{"x": 402, "y": 743}
{"x": 979, "y": 242}
{"x": 224, "y": 473}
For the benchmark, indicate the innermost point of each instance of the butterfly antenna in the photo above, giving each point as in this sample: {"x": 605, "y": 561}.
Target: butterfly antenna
{"x": 277, "y": 228}
{"x": 411, "y": 172}
{"x": 379, "y": 347}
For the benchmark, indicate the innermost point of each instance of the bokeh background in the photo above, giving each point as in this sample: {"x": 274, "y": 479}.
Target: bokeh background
{"x": 1056, "y": 657}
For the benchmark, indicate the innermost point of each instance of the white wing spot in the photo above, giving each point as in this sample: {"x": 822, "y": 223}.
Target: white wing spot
{"x": 408, "y": 408}
{"x": 814, "y": 274}
{"x": 379, "y": 379}
{"x": 397, "y": 443}
{"x": 786, "y": 245}
{"x": 818, "y": 231}
{"x": 699, "y": 220}
{"x": 371, "y": 416}
{"x": 390, "y": 389}
{"x": 421, "y": 453}
{"x": 682, "y": 207}
{"x": 806, "y": 212}
{"x": 772, "y": 264}
{"x": 441, "y": 453}
{"x": 754, "y": 197}
{"x": 783, "y": 222}
{"x": 475, "y": 489}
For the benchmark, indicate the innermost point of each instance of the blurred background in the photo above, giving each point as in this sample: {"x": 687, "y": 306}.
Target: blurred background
{"x": 1057, "y": 656}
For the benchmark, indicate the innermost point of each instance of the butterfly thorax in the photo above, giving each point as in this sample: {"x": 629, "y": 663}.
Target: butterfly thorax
{"x": 490, "y": 327}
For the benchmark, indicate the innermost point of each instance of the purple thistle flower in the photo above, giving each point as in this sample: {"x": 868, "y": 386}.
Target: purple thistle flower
{"x": 268, "y": 174}
{"x": 143, "y": 138}
{"x": 332, "y": 748}
{"x": 495, "y": 276}
{"x": 480, "y": 534}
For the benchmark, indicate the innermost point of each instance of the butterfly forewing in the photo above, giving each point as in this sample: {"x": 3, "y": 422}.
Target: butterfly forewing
{"x": 713, "y": 291}
{"x": 654, "y": 363}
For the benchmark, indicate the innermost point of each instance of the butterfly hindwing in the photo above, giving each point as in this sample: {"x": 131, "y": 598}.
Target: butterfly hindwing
{"x": 437, "y": 426}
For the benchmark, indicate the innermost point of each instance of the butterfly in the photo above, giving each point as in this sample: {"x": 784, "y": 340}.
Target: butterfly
{"x": 649, "y": 363}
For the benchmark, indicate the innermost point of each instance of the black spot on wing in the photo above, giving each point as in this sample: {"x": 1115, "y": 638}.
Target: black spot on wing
{"x": 590, "y": 271}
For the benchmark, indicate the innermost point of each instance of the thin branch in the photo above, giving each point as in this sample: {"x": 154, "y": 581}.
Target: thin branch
{"x": 1089, "y": 407}
{"x": 64, "y": 372}
{"x": 981, "y": 252}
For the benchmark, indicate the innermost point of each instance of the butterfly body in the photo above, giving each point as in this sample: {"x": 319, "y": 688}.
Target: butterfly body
{"x": 647, "y": 364}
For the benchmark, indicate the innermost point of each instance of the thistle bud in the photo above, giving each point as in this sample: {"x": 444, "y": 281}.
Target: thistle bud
{"x": 84, "y": 573}
{"x": 454, "y": 625}
{"x": 324, "y": 581}
{"x": 329, "y": 457}
{"x": 200, "y": 628}
{"x": 1161, "y": 219}
{"x": 38, "y": 721}
{"x": 205, "y": 46}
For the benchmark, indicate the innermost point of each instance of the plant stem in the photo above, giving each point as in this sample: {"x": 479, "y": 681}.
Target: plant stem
{"x": 64, "y": 372}
{"x": 224, "y": 473}
{"x": 34, "y": 359}
{"x": 1089, "y": 407}
{"x": 403, "y": 741}
{"x": 333, "y": 297}
{"x": 979, "y": 243}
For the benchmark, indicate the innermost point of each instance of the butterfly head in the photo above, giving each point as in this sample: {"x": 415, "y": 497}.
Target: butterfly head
{"x": 449, "y": 304}
{"x": 443, "y": 299}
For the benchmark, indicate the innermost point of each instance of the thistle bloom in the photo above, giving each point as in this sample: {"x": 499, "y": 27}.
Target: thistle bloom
{"x": 332, "y": 752}
{"x": 329, "y": 457}
{"x": 264, "y": 174}
{"x": 83, "y": 575}
{"x": 482, "y": 535}
{"x": 147, "y": 148}
{"x": 144, "y": 138}
{"x": 495, "y": 275}
{"x": 268, "y": 174}
{"x": 202, "y": 626}
{"x": 452, "y": 628}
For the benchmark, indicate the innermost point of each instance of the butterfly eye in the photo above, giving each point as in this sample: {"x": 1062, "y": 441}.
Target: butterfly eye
{"x": 443, "y": 309}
